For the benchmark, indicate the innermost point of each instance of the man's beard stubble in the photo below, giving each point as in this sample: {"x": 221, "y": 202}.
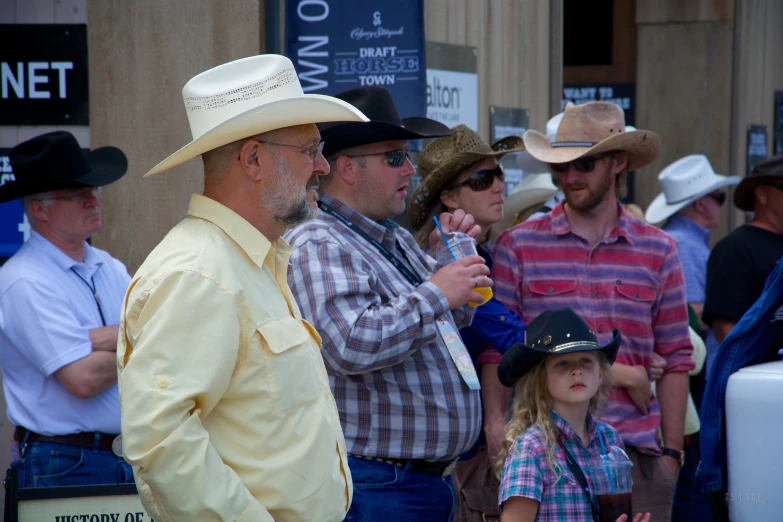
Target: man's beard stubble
{"x": 595, "y": 196}
{"x": 281, "y": 198}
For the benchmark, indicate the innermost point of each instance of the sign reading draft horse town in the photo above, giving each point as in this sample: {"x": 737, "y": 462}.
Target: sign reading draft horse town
{"x": 452, "y": 84}
{"x": 337, "y": 45}
{"x": 43, "y": 74}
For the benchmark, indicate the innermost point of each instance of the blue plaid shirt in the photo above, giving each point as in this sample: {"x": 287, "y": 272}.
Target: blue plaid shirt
{"x": 526, "y": 472}
{"x": 693, "y": 246}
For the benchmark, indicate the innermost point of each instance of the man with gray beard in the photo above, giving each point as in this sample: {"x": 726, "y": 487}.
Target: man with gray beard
{"x": 225, "y": 401}
{"x": 389, "y": 316}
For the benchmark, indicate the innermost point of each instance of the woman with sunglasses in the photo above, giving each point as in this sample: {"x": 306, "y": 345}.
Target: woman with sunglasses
{"x": 461, "y": 172}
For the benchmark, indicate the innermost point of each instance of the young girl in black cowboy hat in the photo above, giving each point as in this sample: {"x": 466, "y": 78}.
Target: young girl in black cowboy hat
{"x": 560, "y": 378}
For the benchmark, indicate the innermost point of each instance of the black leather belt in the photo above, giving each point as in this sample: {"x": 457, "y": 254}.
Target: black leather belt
{"x": 83, "y": 440}
{"x": 441, "y": 468}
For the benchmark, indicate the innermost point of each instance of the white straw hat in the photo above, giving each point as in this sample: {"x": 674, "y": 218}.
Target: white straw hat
{"x": 533, "y": 189}
{"x": 247, "y": 97}
{"x": 683, "y": 182}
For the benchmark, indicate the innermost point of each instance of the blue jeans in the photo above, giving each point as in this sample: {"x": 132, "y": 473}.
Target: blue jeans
{"x": 48, "y": 464}
{"x": 388, "y": 493}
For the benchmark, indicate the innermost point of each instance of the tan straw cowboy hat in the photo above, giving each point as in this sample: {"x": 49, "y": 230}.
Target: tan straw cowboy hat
{"x": 444, "y": 158}
{"x": 591, "y": 129}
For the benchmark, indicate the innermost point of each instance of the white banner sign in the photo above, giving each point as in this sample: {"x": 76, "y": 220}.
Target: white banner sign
{"x": 452, "y": 97}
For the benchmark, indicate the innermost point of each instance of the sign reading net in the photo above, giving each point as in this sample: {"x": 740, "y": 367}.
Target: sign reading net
{"x": 43, "y": 75}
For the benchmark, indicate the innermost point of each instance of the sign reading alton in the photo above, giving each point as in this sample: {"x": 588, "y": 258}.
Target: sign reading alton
{"x": 43, "y": 75}
{"x": 338, "y": 45}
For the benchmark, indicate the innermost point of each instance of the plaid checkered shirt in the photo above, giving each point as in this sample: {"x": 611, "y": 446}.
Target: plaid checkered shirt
{"x": 526, "y": 472}
{"x": 398, "y": 392}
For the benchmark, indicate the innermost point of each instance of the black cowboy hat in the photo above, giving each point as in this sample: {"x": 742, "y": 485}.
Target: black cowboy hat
{"x": 54, "y": 161}
{"x": 553, "y": 332}
{"x": 384, "y": 125}
{"x": 767, "y": 172}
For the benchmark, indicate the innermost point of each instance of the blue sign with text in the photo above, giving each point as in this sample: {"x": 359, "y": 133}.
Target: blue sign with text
{"x": 337, "y": 45}
{"x": 14, "y": 228}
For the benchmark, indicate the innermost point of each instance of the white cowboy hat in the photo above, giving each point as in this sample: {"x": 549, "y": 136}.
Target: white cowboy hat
{"x": 532, "y": 190}
{"x": 683, "y": 182}
{"x": 528, "y": 163}
{"x": 590, "y": 129}
{"x": 247, "y": 97}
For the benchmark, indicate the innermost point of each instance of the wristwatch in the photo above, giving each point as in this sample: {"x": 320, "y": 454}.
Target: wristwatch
{"x": 675, "y": 454}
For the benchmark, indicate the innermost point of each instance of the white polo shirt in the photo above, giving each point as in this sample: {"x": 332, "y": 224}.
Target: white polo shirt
{"x": 46, "y": 311}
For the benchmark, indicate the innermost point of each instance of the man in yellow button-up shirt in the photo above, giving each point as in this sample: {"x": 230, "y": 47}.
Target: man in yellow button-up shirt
{"x": 226, "y": 408}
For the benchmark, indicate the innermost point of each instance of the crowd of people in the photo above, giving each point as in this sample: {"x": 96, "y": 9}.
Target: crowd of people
{"x": 289, "y": 352}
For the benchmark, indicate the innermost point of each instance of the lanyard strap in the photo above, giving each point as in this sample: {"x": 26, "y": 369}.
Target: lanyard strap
{"x": 94, "y": 290}
{"x": 580, "y": 477}
{"x": 407, "y": 273}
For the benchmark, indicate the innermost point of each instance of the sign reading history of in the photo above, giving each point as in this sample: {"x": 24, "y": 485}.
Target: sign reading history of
{"x": 43, "y": 74}
{"x": 337, "y": 45}
{"x": 504, "y": 122}
{"x": 452, "y": 84}
{"x": 622, "y": 94}
{"x": 14, "y": 227}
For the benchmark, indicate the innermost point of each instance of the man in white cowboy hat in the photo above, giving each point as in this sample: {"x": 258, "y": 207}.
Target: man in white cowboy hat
{"x": 616, "y": 272}
{"x": 742, "y": 261}
{"x": 691, "y": 200}
{"x": 226, "y": 408}
{"x": 389, "y": 317}
{"x": 60, "y": 302}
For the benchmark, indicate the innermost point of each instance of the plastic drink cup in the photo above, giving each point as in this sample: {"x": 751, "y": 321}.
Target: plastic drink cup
{"x": 486, "y": 291}
{"x": 462, "y": 245}
{"x": 612, "y": 484}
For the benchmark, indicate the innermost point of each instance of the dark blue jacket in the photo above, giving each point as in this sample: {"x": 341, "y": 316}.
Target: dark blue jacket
{"x": 493, "y": 324}
{"x": 745, "y": 345}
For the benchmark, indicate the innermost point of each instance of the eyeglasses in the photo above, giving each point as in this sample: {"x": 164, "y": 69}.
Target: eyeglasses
{"x": 312, "y": 152}
{"x": 586, "y": 164}
{"x": 80, "y": 196}
{"x": 395, "y": 158}
{"x": 481, "y": 180}
{"x": 720, "y": 198}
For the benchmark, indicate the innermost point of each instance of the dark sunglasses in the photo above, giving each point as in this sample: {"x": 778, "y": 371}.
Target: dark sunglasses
{"x": 481, "y": 180}
{"x": 586, "y": 164}
{"x": 720, "y": 198}
{"x": 395, "y": 158}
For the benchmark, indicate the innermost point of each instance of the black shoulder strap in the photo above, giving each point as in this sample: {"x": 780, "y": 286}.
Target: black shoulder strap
{"x": 580, "y": 477}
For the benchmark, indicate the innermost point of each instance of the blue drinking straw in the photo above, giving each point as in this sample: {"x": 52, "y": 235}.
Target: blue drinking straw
{"x": 445, "y": 240}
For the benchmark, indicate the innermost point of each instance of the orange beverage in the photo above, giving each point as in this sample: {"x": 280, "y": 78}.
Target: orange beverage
{"x": 486, "y": 291}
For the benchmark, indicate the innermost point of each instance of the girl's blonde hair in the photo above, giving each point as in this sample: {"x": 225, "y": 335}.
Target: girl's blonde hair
{"x": 532, "y": 404}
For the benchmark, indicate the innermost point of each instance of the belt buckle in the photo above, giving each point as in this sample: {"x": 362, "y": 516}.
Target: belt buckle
{"x": 449, "y": 469}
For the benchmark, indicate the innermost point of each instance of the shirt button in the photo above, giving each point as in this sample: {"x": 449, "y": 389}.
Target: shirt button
{"x": 637, "y": 294}
{"x": 600, "y": 330}
{"x": 618, "y": 282}
{"x": 595, "y": 293}
{"x": 163, "y": 383}
{"x": 551, "y": 289}
{"x": 502, "y": 317}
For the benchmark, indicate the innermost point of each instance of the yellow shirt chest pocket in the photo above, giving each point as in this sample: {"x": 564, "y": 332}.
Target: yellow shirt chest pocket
{"x": 289, "y": 350}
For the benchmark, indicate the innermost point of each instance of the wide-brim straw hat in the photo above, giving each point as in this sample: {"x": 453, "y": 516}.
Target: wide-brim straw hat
{"x": 444, "y": 158}
{"x": 683, "y": 182}
{"x": 534, "y": 189}
{"x": 590, "y": 129}
{"x": 767, "y": 172}
{"x": 248, "y": 97}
